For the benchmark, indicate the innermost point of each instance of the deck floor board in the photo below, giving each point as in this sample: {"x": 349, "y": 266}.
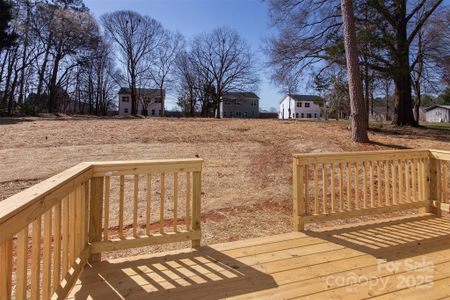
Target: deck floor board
{"x": 391, "y": 259}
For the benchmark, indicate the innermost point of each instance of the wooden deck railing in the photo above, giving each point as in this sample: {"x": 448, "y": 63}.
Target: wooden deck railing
{"x": 331, "y": 186}
{"x": 49, "y": 231}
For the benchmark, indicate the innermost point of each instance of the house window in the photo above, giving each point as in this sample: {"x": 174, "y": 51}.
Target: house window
{"x": 308, "y": 116}
{"x": 303, "y": 115}
{"x": 125, "y": 99}
{"x": 254, "y": 102}
{"x": 299, "y": 104}
{"x": 307, "y": 104}
{"x": 296, "y": 115}
{"x": 315, "y": 115}
{"x": 153, "y": 112}
{"x": 125, "y": 110}
{"x": 245, "y": 114}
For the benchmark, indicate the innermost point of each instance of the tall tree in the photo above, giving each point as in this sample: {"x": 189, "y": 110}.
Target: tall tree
{"x": 226, "y": 58}
{"x": 162, "y": 69}
{"x": 358, "y": 107}
{"x": 136, "y": 39}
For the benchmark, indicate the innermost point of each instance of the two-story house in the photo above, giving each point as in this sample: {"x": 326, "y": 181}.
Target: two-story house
{"x": 299, "y": 107}
{"x": 149, "y": 101}
{"x": 239, "y": 105}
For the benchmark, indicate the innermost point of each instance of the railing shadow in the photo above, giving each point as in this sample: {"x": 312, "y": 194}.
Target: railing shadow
{"x": 393, "y": 240}
{"x": 201, "y": 274}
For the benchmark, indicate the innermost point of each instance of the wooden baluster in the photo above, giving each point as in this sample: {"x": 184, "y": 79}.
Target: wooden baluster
{"x": 65, "y": 237}
{"x": 162, "y": 199}
{"x": 121, "y": 205}
{"x": 445, "y": 183}
{"x": 316, "y": 190}
{"x": 400, "y": 181}
{"x": 56, "y": 248}
{"x": 387, "y": 199}
{"x": 106, "y": 208}
{"x": 135, "y": 205}
{"x": 22, "y": 264}
{"x": 36, "y": 259}
{"x": 349, "y": 183}
{"x": 407, "y": 182}
{"x": 47, "y": 254}
{"x": 324, "y": 189}
{"x": 79, "y": 221}
{"x": 333, "y": 189}
{"x": 307, "y": 189}
{"x": 357, "y": 204}
{"x": 372, "y": 185}
{"x": 196, "y": 205}
{"x": 175, "y": 201}
{"x": 365, "y": 184}
{"x": 341, "y": 187}
{"x": 149, "y": 204}
{"x": 6, "y": 259}
{"x": 422, "y": 180}
{"x": 72, "y": 208}
{"x": 394, "y": 183}
{"x": 96, "y": 214}
{"x": 379, "y": 182}
{"x": 414, "y": 179}
{"x": 188, "y": 201}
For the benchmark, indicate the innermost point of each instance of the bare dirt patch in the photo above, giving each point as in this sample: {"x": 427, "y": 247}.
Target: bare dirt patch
{"x": 247, "y": 170}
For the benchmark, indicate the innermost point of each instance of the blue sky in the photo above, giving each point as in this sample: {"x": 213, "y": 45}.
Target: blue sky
{"x": 191, "y": 17}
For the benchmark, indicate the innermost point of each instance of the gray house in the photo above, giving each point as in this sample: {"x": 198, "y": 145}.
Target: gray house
{"x": 437, "y": 113}
{"x": 239, "y": 105}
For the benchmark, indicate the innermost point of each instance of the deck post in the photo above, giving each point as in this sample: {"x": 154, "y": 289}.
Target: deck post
{"x": 96, "y": 212}
{"x": 298, "y": 195}
{"x": 196, "y": 205}
{"x": 434, "y": 186}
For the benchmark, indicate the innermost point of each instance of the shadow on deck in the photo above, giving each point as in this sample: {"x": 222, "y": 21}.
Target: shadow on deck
{"x": 205, "y": 274}
{"x": 393, "y": 240}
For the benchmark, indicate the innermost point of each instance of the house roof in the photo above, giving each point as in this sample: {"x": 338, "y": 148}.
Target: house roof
{"x": 140, "y": 91}
{"x": 447, "y": 107}
{"x": 240, "y": 94}
{"x": 298, "y": 97}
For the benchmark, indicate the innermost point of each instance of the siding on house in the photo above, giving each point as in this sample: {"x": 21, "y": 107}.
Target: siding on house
{"x": 299, "y": 107}
{"x": 239, "y": 105}
{"x": 438, "y": 113}
{"x": 151, "y": 97}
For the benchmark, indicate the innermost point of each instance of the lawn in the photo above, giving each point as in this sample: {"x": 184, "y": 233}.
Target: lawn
{"x": 247, "y": 169}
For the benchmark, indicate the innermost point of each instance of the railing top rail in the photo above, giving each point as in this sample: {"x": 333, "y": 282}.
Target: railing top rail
{"x": 330, "y": 157}
{"x": 114, "y": 168}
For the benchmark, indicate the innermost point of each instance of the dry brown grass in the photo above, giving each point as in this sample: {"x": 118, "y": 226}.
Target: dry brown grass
{"x": 247, "y": 169}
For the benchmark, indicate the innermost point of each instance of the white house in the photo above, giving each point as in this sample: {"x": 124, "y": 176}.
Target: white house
{"x": 437, "y": 113}
{"x": 299, "y": 107}
{"x": 148, "y": 102}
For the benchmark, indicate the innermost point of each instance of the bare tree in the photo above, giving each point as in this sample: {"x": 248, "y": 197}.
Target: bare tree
{"x": 226, "y": 58}
{"x": 162, "y": 68}
{"x": 136, "y": 39}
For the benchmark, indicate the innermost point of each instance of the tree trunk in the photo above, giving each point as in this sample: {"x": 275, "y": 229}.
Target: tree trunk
{"x": 53, "y": 88}
{"x": 403, "y": 110}
{"x": 163, "y": 100}
{"x": 358, "y": 109}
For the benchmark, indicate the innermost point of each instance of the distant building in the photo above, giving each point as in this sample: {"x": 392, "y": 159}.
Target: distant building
{"x": 239, "y": 105}
{"x": 299, "y": 107}
{"x": 149, "y": 102}
{"x": 437, "y": 113}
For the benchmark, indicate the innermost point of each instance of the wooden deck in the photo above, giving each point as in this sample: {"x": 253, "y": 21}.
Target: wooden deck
{"x": 394, "y": 259}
